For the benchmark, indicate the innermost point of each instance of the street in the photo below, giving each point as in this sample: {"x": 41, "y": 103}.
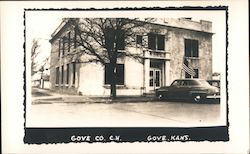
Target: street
{"x": 123, "y": 114}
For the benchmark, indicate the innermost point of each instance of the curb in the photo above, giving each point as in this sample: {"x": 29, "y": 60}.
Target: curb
{"x": 91, "y": 100}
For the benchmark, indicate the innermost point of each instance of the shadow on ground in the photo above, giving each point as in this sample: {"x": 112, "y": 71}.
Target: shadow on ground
{"x": 36, "y": 93}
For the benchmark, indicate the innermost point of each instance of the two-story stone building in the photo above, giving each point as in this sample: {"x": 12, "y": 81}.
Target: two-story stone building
{"x": 164, "y": 47}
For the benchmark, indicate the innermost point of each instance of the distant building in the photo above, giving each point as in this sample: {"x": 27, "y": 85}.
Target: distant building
{"x": 171, "y": 49}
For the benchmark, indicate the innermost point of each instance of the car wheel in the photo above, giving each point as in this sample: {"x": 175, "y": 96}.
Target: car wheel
{"x": 197, "y": 98}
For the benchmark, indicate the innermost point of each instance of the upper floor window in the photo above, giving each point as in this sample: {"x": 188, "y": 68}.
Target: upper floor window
{"x": 120, "y": 40}
{"x": 139, "y": 40}
{"x": 75, "y": 37}
{"x": 59, "y": 47}
{"x": 156, "y": 41}
{"x": 191, "y": 48}
{"x": 63, "y": 45}
{"x": 69, "y": 41}
{"x": 110, "y": 34}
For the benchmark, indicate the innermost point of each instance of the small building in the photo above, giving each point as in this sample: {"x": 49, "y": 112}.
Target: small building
{"x": 170, "y": 48}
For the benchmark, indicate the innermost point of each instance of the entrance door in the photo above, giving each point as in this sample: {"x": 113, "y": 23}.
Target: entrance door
{"x": 154, "y": 78}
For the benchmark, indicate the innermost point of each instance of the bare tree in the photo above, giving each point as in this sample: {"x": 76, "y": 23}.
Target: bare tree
{"x": 34, "y": 53}
{"x": 104, "y": 40}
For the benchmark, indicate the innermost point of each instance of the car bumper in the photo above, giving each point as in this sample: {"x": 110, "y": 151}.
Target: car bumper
{"x": 213, "y": 96}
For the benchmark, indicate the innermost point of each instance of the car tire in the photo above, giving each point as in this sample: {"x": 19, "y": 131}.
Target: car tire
{"x": 198, "y": 98}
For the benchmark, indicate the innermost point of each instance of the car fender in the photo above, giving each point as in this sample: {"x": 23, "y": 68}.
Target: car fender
{"x": 198, "y": 92}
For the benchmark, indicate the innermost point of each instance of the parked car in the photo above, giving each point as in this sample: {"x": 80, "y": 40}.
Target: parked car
{"x": 191, "y": 89}
{"x": 215, "y": 83}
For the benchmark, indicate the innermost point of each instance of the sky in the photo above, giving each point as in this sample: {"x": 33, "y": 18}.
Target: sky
{"x": 41, "y": 24}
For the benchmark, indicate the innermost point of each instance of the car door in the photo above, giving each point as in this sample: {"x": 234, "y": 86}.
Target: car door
{"x": 182, "y": 92}
{"x": 188, "y": 86}
{"x": 176, "y": 90}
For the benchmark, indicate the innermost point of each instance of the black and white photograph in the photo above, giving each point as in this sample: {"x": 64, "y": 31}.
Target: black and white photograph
{"x": 95, "y": 69}
{"x": 126, "y": 75}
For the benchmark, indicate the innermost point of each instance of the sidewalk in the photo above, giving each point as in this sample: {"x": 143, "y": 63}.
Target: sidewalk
{"x": 49, "y": 97}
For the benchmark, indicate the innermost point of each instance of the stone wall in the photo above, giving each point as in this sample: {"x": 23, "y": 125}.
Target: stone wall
{"x": 176, "y": 47}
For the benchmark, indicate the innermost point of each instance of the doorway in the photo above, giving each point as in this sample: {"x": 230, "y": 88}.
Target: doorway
{"x": 155, "y": 78}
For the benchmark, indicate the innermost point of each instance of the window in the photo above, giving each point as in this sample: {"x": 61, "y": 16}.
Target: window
{"x": 138, "y": 40}
{"x": 187, "y": 75}
{"x": 196, "y": 74}
{"x": 119, "y": 74}
{"x": 160, "y": 42}
{"x": 177, "y": 83}
{"x": 66, "y": 44}
{"x": 67, "y": 74}
{"x": 192, "y": 83}
{"x": 74, "y": 73}
{"x": 191, "y": 48}
{"x": 62, "y": 75}
{"x": 57, "y": 75}
{"x": 152, "y": 41}
{"x": 151, "y": 78}
{"x": 69, "y": 41}
{"x": 156, "y": 41}
{"x": 109, "y": 35}
{"x": 59, "y": 47}
{"x": 75, "y": 37}
{"x": 121, "y": 40}
{"x": 109, "y": 38}
{"x": 63, "y": 45}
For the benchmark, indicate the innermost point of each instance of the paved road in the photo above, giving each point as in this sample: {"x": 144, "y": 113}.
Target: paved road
{"x": 139, "y": 114}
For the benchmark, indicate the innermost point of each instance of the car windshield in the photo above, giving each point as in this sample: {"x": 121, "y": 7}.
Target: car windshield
{"x": 176, "y": 83}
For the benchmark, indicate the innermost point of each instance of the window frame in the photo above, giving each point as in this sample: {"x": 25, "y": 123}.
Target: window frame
{"x": 191, "y": 48}
{"x": 59, "y": 47}
{"x": 67, "y": 74}
{"x": 63, "y": 47}
{"x": 140, "y": 38}
{"x": 120, "y": 77}
{"x": 73, "y": 73}
{"x": 62, "y": 75}
{"x": 109, "y": 37}
{"x": 69, "y": 40}
{"x": 75, "y": 37}
{"x": 57, "y": 76}
{"x": 196, "y": 73}
{"x": 156, "y": 41}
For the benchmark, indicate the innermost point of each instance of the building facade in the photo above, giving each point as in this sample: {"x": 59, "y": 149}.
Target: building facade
{"x": 166, "y": 47}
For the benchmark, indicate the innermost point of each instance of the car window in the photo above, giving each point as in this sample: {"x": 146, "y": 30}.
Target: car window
{"x": 181, "y": 83}
{"x": 176, "y": 83}
{"x": 185, "y": 83}
{"x": 204, "y": 83}
{"x": 193, "y": 83}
